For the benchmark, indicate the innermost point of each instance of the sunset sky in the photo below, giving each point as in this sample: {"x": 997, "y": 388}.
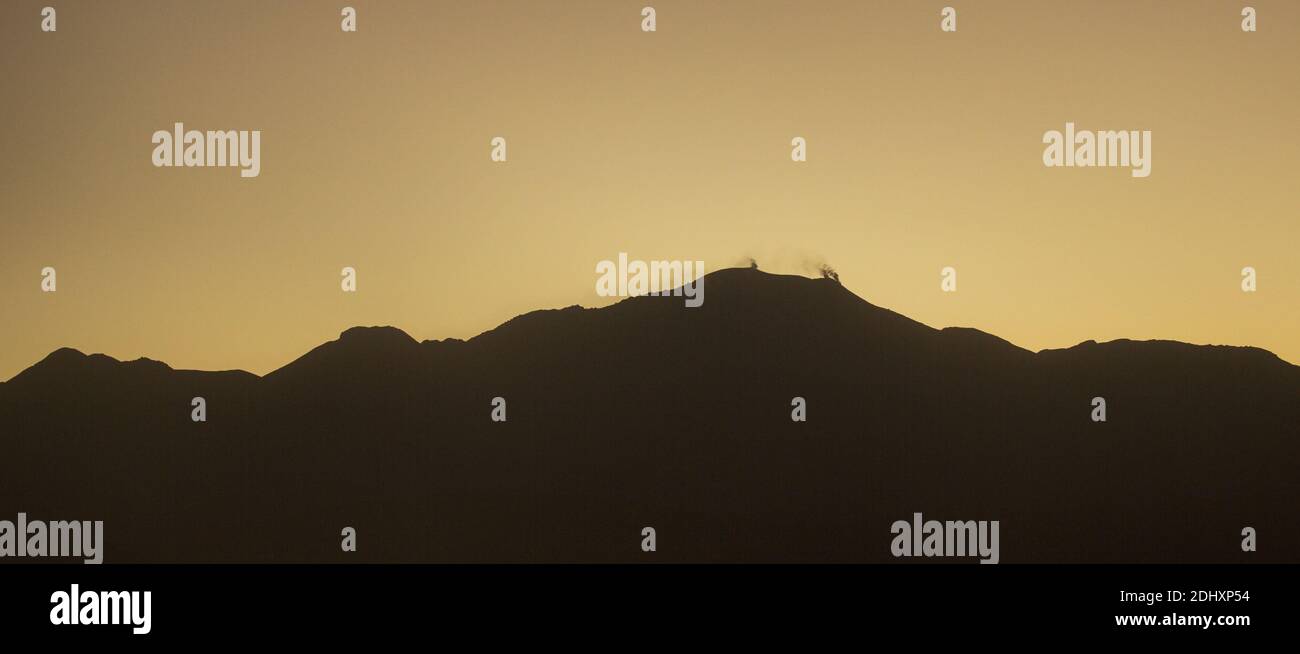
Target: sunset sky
{"x": 924, "y": 151}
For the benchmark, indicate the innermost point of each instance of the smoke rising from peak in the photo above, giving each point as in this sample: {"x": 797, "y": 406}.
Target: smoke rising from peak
{"x": 820, "y": 267}
{"x": 804, "y": 264}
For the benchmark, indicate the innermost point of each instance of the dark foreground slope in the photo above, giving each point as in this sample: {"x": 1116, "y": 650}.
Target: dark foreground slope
{"x": 648, "y": 413}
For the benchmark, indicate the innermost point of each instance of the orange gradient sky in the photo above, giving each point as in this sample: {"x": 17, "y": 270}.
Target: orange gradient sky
{"x": 924, "y": 151}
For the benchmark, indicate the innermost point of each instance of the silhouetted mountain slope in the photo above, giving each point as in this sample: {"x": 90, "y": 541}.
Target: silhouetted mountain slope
{"x": 648, "y": 413}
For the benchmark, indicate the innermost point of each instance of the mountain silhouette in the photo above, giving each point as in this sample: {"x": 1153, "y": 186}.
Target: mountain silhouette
{"x": 647, "y": 413}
